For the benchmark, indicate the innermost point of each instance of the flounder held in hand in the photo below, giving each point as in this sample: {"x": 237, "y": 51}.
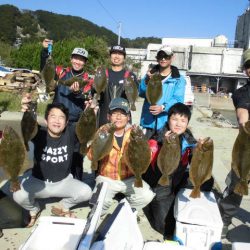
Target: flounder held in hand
{"x": 86, "y": 128}
{"x": 241, "y": 159}
{"x": 131, "y": 91}
{"x": 82, "y": 83}
{"x": 12, "y": 155}
{"x": 100, "y": 81}
{"x": 154, "y": 89}
{"x": 137, "y": 154}
{"x": 29, "y": 125}
{"x": 169, "y": 157}
{"x": 201, "y": 165}
{"x": 48, "y": 75}
{"x": 102, "y": 143}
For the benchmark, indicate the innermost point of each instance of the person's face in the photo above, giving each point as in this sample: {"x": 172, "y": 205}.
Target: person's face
{"x": 119, "y": 118}
{"x": 165, "y": 61}
{"x": 178, "y": 123}
{"x": 77, "y": 62}
{"x": 247, "y": 70}
{"x": 56, "y": 122}
{"x": 117, "y": 58}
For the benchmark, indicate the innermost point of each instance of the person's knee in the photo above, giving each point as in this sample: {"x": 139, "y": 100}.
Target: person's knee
{"x": 84, "y": 194}
{"x": 20, "y": 197}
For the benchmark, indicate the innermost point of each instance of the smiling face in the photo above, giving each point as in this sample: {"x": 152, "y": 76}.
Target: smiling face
{"x": 77, "y": 62}
{"x": 178, "y": 123}
{"x": 120, "y": 118}
{"x": 56, "y": 122}
{"x": 117, "y": 58}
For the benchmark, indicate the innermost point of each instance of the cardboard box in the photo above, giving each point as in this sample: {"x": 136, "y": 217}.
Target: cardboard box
{"x": 198, "y": 221}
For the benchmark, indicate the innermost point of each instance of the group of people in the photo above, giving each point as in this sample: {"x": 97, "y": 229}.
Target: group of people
{"x": 57, "y": 170}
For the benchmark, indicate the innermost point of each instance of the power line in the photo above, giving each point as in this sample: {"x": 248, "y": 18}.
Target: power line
{"x": 108, "y": 12}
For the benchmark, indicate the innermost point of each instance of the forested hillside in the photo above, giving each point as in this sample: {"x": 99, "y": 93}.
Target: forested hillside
{"x": 34, "y": 25}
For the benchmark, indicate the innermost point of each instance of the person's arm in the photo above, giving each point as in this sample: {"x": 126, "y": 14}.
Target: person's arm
{"x": 242, "y": 115}
{"x": 44, "y": 53}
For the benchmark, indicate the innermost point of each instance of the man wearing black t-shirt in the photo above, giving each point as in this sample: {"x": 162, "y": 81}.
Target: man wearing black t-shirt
{"x": 115, "y": 88}
{"x": 51, "y": 177}
{"x": 231, "y": 201}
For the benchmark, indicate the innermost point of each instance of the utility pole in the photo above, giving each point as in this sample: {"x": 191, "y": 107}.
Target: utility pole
{"x": 119, "y": 32}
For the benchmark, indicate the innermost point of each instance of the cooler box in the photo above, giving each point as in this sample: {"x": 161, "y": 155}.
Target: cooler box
{"x": 198, "y": 221}
{"x": 240, "y": 246}
{"x": 121, "y": 231}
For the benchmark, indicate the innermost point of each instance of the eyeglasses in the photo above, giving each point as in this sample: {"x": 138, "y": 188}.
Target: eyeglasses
{"x": 117, "y": 114}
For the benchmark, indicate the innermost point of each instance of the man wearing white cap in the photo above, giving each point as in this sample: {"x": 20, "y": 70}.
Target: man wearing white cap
{"x": 154, "y": 117}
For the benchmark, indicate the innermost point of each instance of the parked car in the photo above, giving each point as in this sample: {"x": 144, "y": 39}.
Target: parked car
{"x": 4, "y": 71}
{"x": 189, "y": 95}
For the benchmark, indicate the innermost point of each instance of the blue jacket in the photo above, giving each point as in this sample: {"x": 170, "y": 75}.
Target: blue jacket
{"x": 173, "y": 92}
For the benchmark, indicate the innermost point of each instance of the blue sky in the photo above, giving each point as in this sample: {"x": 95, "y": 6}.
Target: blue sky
{"x": 144, "y": 18}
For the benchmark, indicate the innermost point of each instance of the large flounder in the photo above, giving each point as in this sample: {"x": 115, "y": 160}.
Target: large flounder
{"x": 131, "y": 91}
{"x": 154, "y": 89}
{"x": 12, "y": 155}
{"x": 48, "y": 75}
{"x": 201, "y": 165}
{"x": 100, "y": 81}
{"x": 137, "y": 154}
{"x": 102, "y": 143}
{"x": 86, "y": 128}
{"x": 169, "y": 158}
{"x": 29, "y": 125}
{"x": 82, "y": 83}
{"x": 241, "y": 159}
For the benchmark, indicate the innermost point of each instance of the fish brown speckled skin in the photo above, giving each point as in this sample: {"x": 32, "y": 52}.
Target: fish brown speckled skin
{"x": 154, "y": 89}
{"x": 12, "y": 155}
{"x": 201, "y": 165}
{"x": 100, "y": 81}
{"x": 29, "y": 125}
{"x": 102, "y": 143}
{"x": 137, "y": 154}
{"x": 169, "y": 158}
{"x": 82, "y": 83}
{"x": 241, "y": 159}
{"x": 131, "y": 92}
{"x": 86, "y": 128}
{"x": 48, "y": 75}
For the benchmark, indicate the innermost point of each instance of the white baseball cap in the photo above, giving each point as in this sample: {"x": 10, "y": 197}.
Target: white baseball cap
{"x": 81, "y": 52}
{"x": 167, "y": 49}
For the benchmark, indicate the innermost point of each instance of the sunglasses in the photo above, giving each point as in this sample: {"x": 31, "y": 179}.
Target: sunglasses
{"x": 163, "y": 57}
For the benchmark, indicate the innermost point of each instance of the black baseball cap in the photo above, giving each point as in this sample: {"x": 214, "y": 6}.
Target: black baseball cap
{"x": 118, "y": 48}
{"x": 119, "y": 103}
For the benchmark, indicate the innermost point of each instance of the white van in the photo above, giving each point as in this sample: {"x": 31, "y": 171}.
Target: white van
{"x": 189, "y": 95}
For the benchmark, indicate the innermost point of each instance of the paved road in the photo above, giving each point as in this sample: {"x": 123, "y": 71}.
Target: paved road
{"x": 201, "y": 127}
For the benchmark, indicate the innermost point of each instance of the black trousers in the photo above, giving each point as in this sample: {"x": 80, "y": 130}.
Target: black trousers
{"x": 77, "y": 166}
{"x": 11, "y": 214}
{"x": 231, "y": 201}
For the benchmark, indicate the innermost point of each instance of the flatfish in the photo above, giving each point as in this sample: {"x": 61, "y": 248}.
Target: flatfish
{"x": 48, "y": 75}
{"x": 154, "y": 89}
{"x": 82, "y": 83}
{"x": 201, "y": 165}
{"x": 241, "y": 159}
{"x": 86, "y": 128}
{"x": 102, "y": 143}
{"x": 29, "y": 125}
{"x": 131, "y": 91}
{"x": 137, "y": 154}
{"x": 12, "y": 155}
{"x": 169, "y": 157}
{"x": 100, "y": 81}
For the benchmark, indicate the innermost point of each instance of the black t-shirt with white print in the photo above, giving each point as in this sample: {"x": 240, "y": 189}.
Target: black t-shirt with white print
{"x": 53, "y": 156}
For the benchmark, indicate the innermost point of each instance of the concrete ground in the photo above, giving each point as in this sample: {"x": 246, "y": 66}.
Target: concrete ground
{"x": 202, "y": 126}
